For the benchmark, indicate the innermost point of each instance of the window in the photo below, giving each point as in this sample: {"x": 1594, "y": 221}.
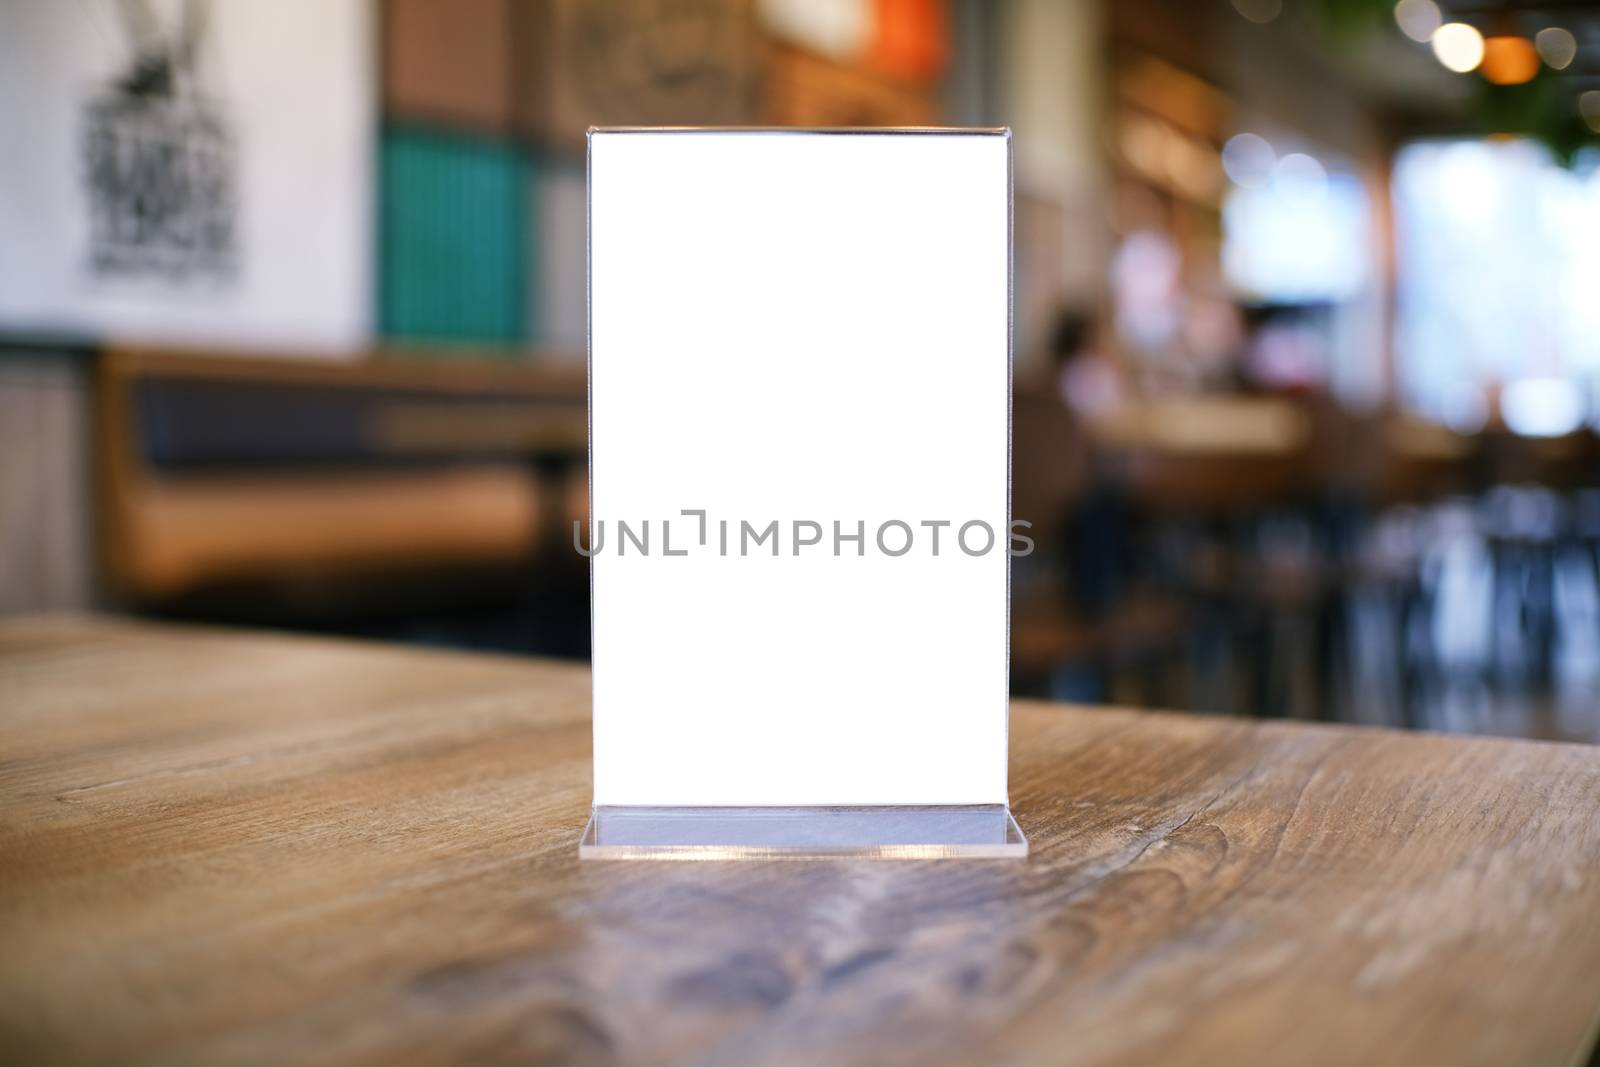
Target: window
{"x": 1498, "y": 282}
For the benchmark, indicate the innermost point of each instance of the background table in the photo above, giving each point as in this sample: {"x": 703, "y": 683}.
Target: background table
{"x": 229, "y": 847}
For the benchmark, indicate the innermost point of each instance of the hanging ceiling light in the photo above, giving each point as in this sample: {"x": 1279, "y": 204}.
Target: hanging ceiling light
{"x": 1417, "y": 19}
{"x": 1589, "y": 107}
{"x": 1557, "y": 46}
{"x": 1509, "y": 60}
{"x": 1458, "y": 46}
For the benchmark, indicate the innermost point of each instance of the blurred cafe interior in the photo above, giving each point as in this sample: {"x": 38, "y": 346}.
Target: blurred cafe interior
{"x": 1307, "y": 321}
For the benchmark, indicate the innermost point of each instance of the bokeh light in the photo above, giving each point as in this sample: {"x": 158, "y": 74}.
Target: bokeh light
{"x": 1247, "y": 159}
{"x": 1509, "y": 60}
{"x": 1463, "y": 406}
{"x": 1458, "y": 46}
{"x": 1301, "y": 177}
{"x": 1259, "y": 11}
{"x": 1541, "y": 407}
{"x": 1417, "y": 19}
{"x": 1557, "y": 47}
{"x": 1589, "y": 108}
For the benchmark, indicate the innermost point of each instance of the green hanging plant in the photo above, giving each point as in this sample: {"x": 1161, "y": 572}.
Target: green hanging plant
{"x": 1348, "y": 22}
{"x": 1541, "y": 110}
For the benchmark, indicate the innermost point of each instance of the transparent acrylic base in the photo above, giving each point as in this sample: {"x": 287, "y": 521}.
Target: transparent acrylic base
{"x": 983, "y": 831}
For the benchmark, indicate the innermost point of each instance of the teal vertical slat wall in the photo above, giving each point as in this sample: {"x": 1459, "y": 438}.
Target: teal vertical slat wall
{"x": 454, "y": 262}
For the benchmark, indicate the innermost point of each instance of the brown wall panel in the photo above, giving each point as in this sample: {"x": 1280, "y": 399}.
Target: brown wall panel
{"x": 449, "y": 61}
{"x": 807, "y": 90}
{"x": 585, "y": 63}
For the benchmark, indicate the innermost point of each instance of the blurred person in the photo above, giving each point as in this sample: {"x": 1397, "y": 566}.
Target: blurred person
{"x": 1086, "y": 373}
{"x": 1091, "y": 385}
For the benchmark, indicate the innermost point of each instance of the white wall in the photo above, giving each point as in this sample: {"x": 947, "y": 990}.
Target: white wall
{"x": 295, "y": 80}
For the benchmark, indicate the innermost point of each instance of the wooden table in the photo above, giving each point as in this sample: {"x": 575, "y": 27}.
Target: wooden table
{"x": 221, "y": 847}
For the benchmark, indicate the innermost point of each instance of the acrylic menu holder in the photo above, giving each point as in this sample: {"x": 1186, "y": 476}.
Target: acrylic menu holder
{"x": 799, "y": 532}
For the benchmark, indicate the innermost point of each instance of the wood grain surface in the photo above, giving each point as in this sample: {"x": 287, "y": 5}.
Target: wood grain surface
{"x": 219, "y": 847}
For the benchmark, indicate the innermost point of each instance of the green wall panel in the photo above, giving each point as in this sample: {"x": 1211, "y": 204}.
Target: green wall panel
{"x": 453, "y": 239}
